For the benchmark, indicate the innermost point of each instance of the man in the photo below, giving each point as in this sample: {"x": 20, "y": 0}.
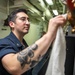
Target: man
{"x": 16, "y": 57}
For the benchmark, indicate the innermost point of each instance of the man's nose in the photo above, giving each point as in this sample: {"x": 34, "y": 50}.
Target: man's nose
{"x": 27, "y": 22}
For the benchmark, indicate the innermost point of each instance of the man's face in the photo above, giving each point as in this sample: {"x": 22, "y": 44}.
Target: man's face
{"x": 21, "y": 24}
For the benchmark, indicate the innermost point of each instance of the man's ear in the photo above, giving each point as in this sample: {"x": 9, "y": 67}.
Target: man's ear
{"x": 11, "y": 24}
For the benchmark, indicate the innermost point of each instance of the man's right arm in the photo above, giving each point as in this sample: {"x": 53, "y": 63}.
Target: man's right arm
{"x": 29, "y": 57}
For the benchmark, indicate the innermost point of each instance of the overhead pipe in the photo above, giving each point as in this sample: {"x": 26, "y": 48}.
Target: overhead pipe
{"x": 63, "y": 5}
{"x": 26, "y": 3}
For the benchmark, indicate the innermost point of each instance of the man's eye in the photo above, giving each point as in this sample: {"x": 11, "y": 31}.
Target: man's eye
{"x": 22, "y": 19}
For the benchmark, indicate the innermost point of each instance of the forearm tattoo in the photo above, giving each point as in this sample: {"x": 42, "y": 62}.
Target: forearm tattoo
{"x": 25, "y": 56}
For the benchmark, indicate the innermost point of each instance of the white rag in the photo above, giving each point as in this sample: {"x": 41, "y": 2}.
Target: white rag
{"x": 57, "y": 55}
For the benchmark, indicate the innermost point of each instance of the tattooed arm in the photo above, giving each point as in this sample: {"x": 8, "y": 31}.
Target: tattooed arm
{"x": 26, "y": 56}
{"x": 29, "y": 57}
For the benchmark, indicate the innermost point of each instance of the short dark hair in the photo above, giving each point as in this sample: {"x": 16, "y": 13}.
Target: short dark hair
{"x": 12, "y": 16}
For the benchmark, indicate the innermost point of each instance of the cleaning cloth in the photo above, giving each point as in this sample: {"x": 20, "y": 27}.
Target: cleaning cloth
{"x": 57, "y": 55}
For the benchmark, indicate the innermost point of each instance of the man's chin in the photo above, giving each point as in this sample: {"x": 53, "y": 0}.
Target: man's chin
{"x": 26, "y": 32}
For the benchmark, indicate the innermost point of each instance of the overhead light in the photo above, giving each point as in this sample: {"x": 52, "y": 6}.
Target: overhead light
{"x": 43, "y": 18}
{"x": 50, "y": 2}
{"x": 55, "y": 12}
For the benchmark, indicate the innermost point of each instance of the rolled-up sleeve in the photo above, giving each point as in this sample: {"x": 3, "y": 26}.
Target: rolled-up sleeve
{"x": 5, "y": 48}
